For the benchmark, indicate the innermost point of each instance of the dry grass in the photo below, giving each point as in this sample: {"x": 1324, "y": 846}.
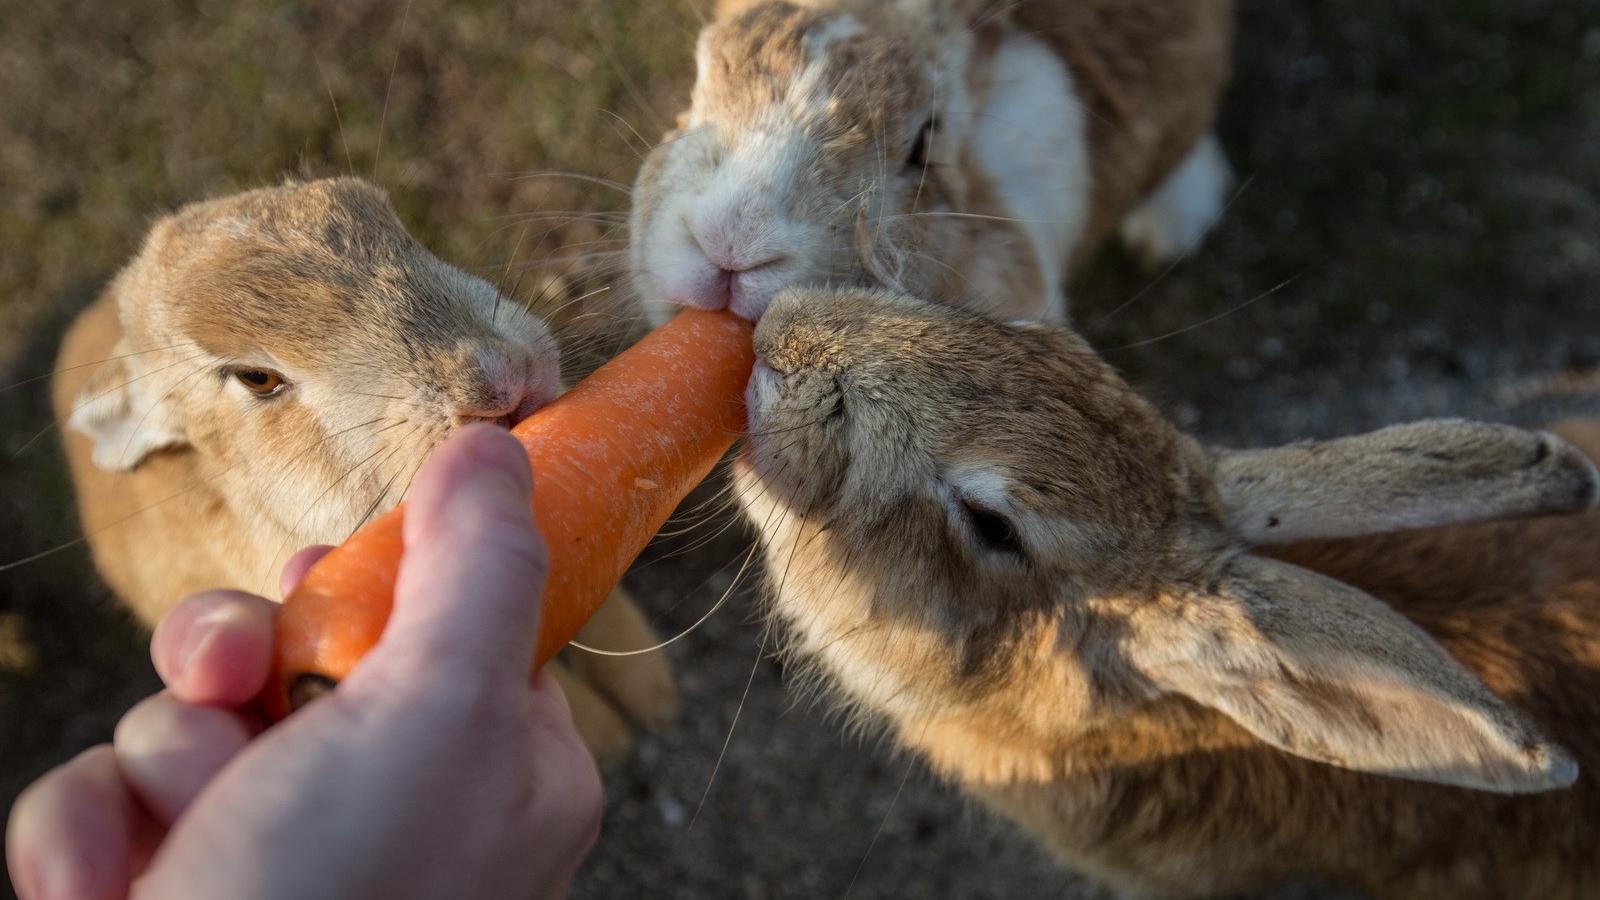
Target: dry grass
{"x": 1430, "y": 177}
{"x": 132, "y": 109}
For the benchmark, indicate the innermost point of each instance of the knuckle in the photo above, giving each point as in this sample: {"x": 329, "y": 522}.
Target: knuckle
{"x": 148, "y": 718}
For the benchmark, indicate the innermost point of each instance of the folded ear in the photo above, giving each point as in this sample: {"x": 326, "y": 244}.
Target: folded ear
{"x": 1321, "y": 670}
{"x": 1407, "y": 476}
{"x": 970, "y": 12}
{"x": 724, "y": 9}
{"x": 127, "y": 414}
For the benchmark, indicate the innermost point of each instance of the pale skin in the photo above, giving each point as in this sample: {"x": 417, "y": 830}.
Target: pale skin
{"x": 433, "y": 770}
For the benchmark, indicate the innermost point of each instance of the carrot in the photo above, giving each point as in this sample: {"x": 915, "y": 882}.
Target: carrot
{"x": 612, "y": 458}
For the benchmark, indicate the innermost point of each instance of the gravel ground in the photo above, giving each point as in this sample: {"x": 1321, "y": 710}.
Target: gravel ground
{"x": 1418, "y": 228}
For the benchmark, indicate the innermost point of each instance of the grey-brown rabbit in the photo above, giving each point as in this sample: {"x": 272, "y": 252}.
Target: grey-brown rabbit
{"x": 268, "y": 372}
{"x": 987, "y": 544}
{"x": 967, "y": 151}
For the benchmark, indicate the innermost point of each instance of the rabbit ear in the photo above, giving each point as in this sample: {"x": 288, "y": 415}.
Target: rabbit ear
{"x": 1407, "y": 476}
{"x": 725, "y": 9}
{"x": 1321, "y": 670}
{"x": 970, "y": 12}
{"x": 126, "y": 413}
{"x": 728, "y": 8}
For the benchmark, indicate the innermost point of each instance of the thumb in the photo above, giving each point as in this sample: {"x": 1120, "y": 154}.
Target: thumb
{"x": 472, "y": 577}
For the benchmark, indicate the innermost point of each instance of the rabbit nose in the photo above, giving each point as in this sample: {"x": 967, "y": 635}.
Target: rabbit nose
{"x": 503, "y": 392}
{"x": 507, "y": 417}
{"x": 741, "y": 281}
{"x": 504, "y": 408}
{"x": 735, "y": 245}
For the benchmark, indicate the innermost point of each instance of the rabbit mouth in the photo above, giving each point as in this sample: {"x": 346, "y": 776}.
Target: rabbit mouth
{"x": 529, "y": 405}
{"x": 796, "y": 461}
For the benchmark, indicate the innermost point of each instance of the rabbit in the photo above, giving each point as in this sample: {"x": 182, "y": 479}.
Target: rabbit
{"x": 983, "y": 545}
{"x": 967, "y": 151}
{"x": 268, "y": 372}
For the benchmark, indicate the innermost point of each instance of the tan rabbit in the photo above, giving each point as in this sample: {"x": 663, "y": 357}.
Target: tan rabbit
{"x": 961, "y": 150}
{"x": 987, "y": 544}
{"x": 268, "y": 372}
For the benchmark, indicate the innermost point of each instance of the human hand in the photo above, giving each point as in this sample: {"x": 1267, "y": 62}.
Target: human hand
{"x": 433, "y": 770}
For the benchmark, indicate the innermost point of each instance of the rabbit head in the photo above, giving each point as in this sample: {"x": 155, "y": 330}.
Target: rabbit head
{"x": 309, "y": 350}
{"x": 972, "y": 521}
{"x": 826, "y": 145}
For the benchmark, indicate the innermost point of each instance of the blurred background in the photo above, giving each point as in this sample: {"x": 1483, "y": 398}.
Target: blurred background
{"x": 1417, "y": 227}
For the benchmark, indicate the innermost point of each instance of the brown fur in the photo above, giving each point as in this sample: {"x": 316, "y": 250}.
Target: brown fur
{"x": 1149, "y": 76}
{"x": 1151, "y": 73}
{"x": 1161, "y": 708}
{"x": 185, "y": 482}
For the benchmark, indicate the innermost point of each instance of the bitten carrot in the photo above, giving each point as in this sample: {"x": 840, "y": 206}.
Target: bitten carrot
{"x": 612, "y": 458}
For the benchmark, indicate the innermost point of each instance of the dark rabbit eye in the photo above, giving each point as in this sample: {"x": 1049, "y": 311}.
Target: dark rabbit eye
{"x": 261, "y": 382}
{"x": 919, "y": 148}
{"x": 994, "y": 531}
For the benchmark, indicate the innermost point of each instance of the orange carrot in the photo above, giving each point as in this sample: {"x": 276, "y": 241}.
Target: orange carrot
{"x": 612, "y": 458}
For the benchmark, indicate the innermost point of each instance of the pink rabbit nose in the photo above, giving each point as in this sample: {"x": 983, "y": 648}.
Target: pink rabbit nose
{"x": 510, "y": 409}
{"x": 503, "y": 391}
{"x": 732, "y": 265}
{"x": 735, "y": 246}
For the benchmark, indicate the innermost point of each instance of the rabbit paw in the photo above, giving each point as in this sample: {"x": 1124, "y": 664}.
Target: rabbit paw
{"x": 640, "y": 689}
{"x": 604, "y": 730}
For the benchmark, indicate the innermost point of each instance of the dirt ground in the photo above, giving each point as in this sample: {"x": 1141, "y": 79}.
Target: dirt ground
{"x": 1418, "y": 225}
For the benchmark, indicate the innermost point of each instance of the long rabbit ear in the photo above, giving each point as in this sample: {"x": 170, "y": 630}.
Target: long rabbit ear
{"x": 724, "y": 9}
{"x": 970, "y": 12}
{"x": 128, "y": 414}
{"x": 1407, "y": 476}
{"x": 1321, "y": 670}
{"x": 728, "y": 8}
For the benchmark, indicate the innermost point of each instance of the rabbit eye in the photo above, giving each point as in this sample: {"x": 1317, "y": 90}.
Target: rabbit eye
{"x": 919, "y": 148}
{"x": 261, "y": 382}
{"x": 993, "y": 530}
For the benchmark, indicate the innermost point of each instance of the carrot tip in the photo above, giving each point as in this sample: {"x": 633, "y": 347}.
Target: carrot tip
{"x": 307, "y": 688}
{"x": 613, "y": 458}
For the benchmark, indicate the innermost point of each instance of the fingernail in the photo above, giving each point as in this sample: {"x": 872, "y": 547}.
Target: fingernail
{"x": 499, "y": 452}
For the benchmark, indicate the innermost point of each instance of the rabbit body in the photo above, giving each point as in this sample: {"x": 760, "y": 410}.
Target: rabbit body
{"x": 269, "y": 372}
{"x": 987, "y": 545}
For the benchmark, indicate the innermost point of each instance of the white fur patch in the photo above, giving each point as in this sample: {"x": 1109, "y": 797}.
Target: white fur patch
{"x": 838, "y": 28}
{"x": 982, "y": 486}
{"x": 734, "y": 217}
{"x": 123, "y": 434}
{"x": 129, "y": 413}
{"x": 1175, "y": 218}
{"x": 1030, "y": 139}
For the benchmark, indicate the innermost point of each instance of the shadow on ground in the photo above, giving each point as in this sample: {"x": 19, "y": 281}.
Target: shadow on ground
{"x": 1418, "y": 224}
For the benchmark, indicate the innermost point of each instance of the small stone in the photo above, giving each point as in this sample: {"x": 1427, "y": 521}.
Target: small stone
{"x": 672, "y": 812}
